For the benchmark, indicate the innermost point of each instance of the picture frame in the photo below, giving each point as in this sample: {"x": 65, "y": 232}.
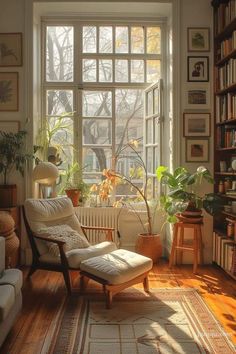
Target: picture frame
{"x": 198, "y": 39}
{"x": 9, "y": 126}
{"x": 198, "y": 69}
{"x": 197, "y": 96}
{"x": 9, "y": 91}
{"x": 197, "y": 150}
{"x": 197, "y": 124}
{"x": 12, "y": 53}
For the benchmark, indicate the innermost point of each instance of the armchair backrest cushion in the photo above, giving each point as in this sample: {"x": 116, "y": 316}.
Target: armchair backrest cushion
{"x": 42, "y": 213}
{"x": 2, "y": 255}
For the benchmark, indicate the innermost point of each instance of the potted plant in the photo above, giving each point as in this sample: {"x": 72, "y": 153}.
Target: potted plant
{"x": 74, "y": 186}
{"x": 148, "y": 242}
{"x": 13, "y": 157}
{"x": 184, "y": 198}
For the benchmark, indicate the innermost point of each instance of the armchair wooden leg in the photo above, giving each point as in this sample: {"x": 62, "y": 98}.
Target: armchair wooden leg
{"x": 66, "y": 276}
{"x": 31, "y": 271}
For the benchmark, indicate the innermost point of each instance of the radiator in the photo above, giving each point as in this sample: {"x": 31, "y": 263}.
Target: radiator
{"x": 106, "y": 217}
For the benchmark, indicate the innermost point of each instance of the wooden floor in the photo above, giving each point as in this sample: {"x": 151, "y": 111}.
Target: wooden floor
{"x": 44, "y": 294}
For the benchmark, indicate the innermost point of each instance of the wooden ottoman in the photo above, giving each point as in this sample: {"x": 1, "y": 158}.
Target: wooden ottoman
{"x": 116, "y": 271}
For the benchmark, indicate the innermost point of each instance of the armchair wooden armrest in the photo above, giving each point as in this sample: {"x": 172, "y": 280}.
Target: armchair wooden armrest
{"x": 60, "y": 245}
{"x": 107, "y": 230}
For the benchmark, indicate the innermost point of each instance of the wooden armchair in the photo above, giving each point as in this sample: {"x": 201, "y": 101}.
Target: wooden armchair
{"x": 43, "y": 213}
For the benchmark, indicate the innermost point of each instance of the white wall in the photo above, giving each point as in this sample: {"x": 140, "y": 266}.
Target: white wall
{"x": 192, "y": 14}
{"x": 197, "y": 14}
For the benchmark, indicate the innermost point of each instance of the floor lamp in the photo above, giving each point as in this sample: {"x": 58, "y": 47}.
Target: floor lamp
{"x": 45, "y": 174}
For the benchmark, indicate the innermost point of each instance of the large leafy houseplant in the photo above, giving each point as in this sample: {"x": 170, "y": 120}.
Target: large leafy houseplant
{"x": 13, "y": 157}
{"x": 184, "y": 191}
{"x": 13, "y": 154}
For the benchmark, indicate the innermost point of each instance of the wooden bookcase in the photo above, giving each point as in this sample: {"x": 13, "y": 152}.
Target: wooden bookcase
{"x": 225, "y": 129}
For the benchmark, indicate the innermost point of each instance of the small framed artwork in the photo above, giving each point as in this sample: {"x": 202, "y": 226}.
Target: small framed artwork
{"x": 197, "y": 124}
{"x": 198, "y": 69}
{"x": 198, "y": 39}
{"x": 197, "y": 150}
{"x": 11, "y": 49}
{"x": 8, "y": 91}
{"x": 197, "y": 96}
{"x": 11, "y": 126}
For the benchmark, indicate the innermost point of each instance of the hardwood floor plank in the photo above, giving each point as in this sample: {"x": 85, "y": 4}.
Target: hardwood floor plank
{"x": 45, "y": 293}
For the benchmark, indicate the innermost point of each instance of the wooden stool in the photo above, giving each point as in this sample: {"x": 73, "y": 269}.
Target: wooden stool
{"x": 178, "y": 243}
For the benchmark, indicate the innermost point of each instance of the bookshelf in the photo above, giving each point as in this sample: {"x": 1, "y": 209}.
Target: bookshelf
{"x": 224, "y": 235}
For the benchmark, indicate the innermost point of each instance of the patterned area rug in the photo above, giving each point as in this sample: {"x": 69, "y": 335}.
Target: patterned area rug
{"x": 168, "y": 321}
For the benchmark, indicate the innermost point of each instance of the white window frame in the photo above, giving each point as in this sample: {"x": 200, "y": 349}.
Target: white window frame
{"x": 77, "y": 85}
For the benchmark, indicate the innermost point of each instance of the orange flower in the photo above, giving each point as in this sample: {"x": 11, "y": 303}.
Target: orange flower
{"x": 94, "y": 188}
{"x": 111, "y": 176}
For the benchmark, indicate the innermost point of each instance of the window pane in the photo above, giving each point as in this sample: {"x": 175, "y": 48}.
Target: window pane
{"x": 105, "y": 70}
{"x": 156, "y": 130}
{"x": 97, "y": 131}
{"x": 149, "y": 159}
{"x": 121, "y": 70}
{"x": 97, "y": 104}
{"x": 137, "y": 40}
{"x": 59, "y": 102}
{"x": 89, "y": 70}
{"x": 89, "y": 39}
{"x": 149, "y": 103}
{"x": 149, "y": 131}
{"x": 137, "y": 70}
{"x": 129, "y": 115}
{"x": 105, "y": 39}
{"x": 96, "y": 159}
{"x": 60, "y": 53}
{"x": 156, "y": 101}
{"x": 153, "y": 70}
{"x": 153, "y": 40}
{"x": 122, "y": 39}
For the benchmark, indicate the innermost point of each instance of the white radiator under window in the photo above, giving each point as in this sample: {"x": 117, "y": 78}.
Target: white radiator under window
{"x": 106, "y": 217}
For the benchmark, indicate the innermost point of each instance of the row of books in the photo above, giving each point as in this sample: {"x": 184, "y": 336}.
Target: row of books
{"x": 225, "y": 14}
{"x": 226, "y": 136}
{"x": 223, "y": 252}
{"x": 226, "y": 47}
{"x": 225, "y": 107}
{"x": 227, "y": 75}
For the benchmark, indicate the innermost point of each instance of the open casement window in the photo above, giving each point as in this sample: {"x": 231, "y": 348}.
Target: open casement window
{"x": 94, "y": 79}
{"x": 153, "y": 112}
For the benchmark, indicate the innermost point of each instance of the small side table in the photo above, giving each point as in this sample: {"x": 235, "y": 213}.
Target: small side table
{"x": 179, "y": 245}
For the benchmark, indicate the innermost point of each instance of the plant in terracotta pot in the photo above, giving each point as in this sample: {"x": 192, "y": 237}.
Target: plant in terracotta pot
{"x": 148, "y": 242}
{"x": 184, "y": 198}
{"x": 74, "y": 186}
{"x": 13, "y": 157}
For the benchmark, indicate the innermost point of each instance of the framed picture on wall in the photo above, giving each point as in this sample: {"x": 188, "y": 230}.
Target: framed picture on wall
{"x": 197, "y": 150}
{"x": 198, "y": 39}
{"x": 198, "y": 69}
{"x": 197, "y": 96}
{"x": 196, "y": 124}
{"x": 8, "y": 91}
{"x": 10, "y": 49}
{"x": 9, "y": 126}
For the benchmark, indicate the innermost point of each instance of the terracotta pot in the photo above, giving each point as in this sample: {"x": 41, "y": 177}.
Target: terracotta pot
{"x": 8, "y": 195}
{"x": 74, "y": 195}
{"x": 149, "y": 246}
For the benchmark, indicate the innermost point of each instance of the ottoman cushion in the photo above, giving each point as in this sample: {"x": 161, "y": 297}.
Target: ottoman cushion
{"x": 117, "y": 267}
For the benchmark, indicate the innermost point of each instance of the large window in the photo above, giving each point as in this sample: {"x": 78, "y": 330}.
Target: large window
{"x": 94, "y": 79}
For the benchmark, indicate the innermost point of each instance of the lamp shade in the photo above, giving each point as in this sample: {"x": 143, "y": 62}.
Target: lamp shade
{"x": 45, "y": 173}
